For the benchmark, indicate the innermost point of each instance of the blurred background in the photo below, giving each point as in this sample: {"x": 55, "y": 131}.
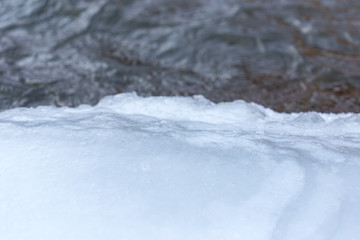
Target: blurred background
{"x": 289, "y": 55}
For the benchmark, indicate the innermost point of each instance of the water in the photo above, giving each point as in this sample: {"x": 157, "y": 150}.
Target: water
{"x": 287, "y": 55}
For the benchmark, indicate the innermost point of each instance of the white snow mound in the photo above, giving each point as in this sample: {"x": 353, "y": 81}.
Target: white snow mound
{"x": 169, "y": 168}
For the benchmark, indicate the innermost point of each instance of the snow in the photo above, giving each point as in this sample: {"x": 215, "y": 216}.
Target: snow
{"x": 178, "y": 168}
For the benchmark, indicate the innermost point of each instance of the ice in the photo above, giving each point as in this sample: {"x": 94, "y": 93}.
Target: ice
{"x": 178, "y": 168}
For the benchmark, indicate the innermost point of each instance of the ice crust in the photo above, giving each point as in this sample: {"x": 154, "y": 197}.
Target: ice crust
{"x": 178, "y": 168}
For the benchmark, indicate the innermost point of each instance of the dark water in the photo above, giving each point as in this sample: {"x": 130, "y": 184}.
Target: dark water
{"x": 288, "y": 55}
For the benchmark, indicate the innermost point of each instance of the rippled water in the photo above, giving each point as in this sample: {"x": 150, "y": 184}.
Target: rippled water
{"x": 288, "y": 55}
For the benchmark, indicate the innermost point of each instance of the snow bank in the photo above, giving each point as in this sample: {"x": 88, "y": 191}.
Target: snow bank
{"x": 178, "y": 168}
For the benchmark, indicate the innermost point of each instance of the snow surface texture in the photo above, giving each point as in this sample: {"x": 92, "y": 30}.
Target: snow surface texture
{"x": 178, "y": 168}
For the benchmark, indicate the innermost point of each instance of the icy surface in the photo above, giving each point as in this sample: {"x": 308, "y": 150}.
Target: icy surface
{"x": 178, "y": 168}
